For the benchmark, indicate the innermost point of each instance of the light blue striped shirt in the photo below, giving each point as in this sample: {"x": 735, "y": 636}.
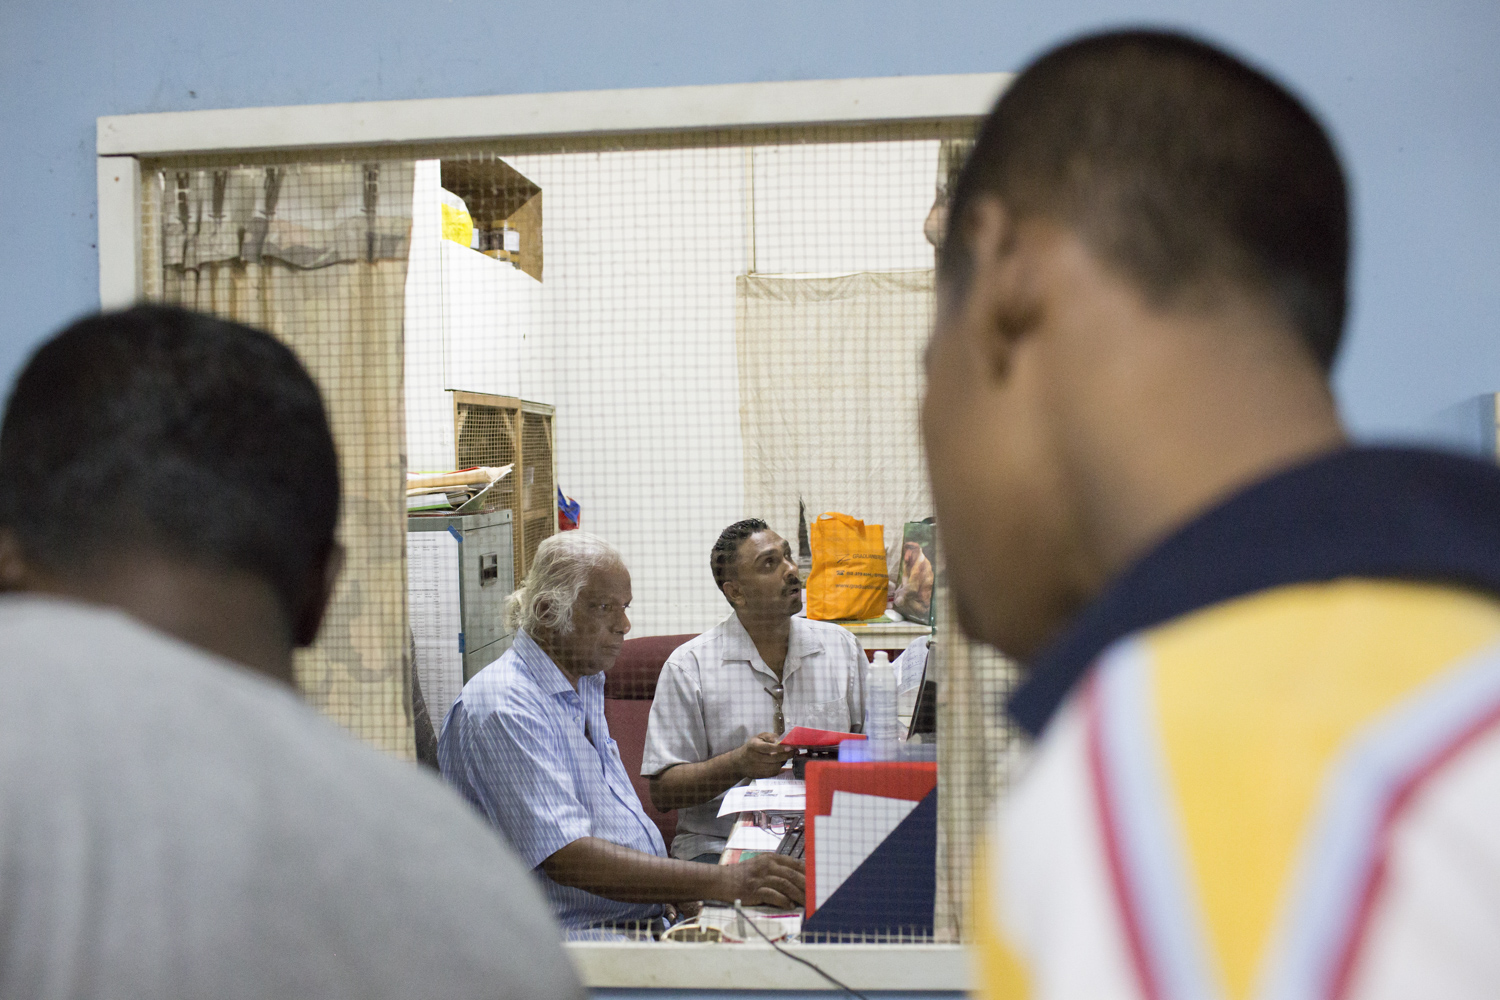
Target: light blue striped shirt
{"x": 514, "y": 744}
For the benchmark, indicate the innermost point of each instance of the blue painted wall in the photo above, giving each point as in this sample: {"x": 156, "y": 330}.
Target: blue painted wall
{"x": 1411, "y": 89}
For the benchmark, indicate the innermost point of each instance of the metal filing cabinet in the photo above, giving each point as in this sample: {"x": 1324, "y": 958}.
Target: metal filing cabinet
{"x": 459, "y": 575}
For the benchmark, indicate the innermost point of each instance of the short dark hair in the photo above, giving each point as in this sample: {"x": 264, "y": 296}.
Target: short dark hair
{"x": 721, "y": 560}
{"x": 1179, "y": 165}
{"x": 161, "y": 429}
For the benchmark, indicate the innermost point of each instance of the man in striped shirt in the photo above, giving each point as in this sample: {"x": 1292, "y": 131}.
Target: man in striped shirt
{"x": 527, "y": 743}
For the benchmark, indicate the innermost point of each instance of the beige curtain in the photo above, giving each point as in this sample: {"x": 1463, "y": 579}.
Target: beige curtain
{"x": 830, "y": 382}
{"x": 316, "y": 254}
{"x": 830, "y": 387}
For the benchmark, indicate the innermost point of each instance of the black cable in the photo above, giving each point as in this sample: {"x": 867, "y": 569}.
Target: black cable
{"x": 796, "y": 958}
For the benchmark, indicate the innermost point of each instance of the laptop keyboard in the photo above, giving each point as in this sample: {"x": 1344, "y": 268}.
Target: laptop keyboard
{"x": 792, "y": 844}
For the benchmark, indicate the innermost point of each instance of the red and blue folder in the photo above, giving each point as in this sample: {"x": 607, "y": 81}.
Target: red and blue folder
{"x": 892, "y": 888}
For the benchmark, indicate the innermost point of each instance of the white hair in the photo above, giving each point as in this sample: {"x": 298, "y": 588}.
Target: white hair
{"x": 559, "y": 571}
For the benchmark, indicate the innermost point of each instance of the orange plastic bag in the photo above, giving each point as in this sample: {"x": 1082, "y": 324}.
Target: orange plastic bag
{"x": 848, "y": 578}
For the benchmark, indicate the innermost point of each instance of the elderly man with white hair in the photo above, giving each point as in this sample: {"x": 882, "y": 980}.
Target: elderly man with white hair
{"x": 528, "y": 745}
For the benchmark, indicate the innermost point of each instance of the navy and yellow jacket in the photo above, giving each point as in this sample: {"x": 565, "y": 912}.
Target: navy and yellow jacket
{"x": 1269, "y": 754}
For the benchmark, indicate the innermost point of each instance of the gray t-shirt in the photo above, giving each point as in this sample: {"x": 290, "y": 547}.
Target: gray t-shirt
{"x": 172, "y": 825}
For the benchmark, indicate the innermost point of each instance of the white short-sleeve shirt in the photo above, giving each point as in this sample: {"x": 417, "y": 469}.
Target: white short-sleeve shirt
{"x": 712, "y": 696}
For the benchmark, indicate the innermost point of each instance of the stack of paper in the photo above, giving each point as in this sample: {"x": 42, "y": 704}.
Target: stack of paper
{"x": 782, "y": 780}
{"x": 750, "y": 837}
{"x": 770, "y": 795}
{"x": 437, "y": 500}
{"x": 773, "y": 923}
{"x": 443, "y": 491}
{"x": 848, "y": 835}
{"x": 479, "y": 475}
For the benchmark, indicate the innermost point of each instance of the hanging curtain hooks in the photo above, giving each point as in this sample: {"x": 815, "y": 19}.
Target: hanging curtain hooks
{"x": 372, "y": 201}
{"x": 273, "y": 190}
{"x": 184, "y": 182}
{"x": 221, "y": 186}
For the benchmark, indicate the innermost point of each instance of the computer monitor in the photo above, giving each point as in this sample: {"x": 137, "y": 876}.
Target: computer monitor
{"x": 924, "y": 714}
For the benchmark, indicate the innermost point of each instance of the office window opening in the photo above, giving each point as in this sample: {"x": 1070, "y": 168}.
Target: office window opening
{"x": 649, "y": 338}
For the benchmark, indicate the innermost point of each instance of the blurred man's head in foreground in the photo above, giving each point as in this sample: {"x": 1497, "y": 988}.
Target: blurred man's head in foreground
{"x": 179, "y": 467}
{"x": 1141, "y": 292}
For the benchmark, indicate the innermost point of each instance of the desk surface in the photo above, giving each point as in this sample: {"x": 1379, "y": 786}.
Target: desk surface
{"x": 659, "y": 965}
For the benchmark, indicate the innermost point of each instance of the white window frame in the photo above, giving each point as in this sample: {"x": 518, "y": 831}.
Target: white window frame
{"x": 123, "y": 139}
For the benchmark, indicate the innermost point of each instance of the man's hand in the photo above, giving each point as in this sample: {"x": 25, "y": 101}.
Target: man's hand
{"x": 770, "y": 879}
{"x": 633, "y": 876}
{"x": 693, "y": 784}
{"x": 762, "y": 756}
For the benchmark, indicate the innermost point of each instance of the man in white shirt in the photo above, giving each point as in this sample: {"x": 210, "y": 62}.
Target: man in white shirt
{"x": 725, "y": 698}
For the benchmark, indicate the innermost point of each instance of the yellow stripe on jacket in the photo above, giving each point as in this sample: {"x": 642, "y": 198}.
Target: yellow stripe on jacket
{"x": 998, "y": 970}
{"x": 1256, "y": 697}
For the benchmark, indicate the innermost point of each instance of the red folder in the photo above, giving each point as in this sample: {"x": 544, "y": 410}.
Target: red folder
{"x": 801, "y": 736}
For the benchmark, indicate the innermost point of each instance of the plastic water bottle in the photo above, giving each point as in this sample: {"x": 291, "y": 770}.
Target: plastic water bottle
{"x": 881, "y": 728}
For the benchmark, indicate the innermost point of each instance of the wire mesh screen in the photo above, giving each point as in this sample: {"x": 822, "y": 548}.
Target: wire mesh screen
{"x": 513, "y": 437}
{"x": 317, "y": 254}
{"x": 731, "y": 696}
{"x": 538, "y": 484}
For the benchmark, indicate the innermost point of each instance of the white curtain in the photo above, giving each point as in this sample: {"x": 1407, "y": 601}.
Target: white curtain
{"x": 316, "y": 254}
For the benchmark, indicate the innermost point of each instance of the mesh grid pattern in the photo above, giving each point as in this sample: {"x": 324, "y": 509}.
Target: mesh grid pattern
{"x": 674, "y": 331}
{"x": 316, "y": 254}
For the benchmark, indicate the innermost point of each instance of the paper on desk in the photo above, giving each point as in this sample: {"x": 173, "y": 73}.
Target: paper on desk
{"x": 749, "y": 837}
{"x": 783, "y": 780}
{"x": 791, "y": 797}
{"x": 775, "y": 924}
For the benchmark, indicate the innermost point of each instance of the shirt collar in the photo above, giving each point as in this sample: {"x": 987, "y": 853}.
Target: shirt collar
{"x": 1399, "y": 513}
{"x": 539, "y": 666}
{"x": 739, "y": 646}
{"x": 802, "y": 643}
{"x": 737, "y": 642}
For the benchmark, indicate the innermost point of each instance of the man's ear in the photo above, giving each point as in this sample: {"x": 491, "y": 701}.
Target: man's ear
{"x": 14, "y": 569}
{"x": 732, "y": 592}
{"x": 319, "y": 594}
{"x": 543, "y": 611}
{"x": 1001, "y": 306}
